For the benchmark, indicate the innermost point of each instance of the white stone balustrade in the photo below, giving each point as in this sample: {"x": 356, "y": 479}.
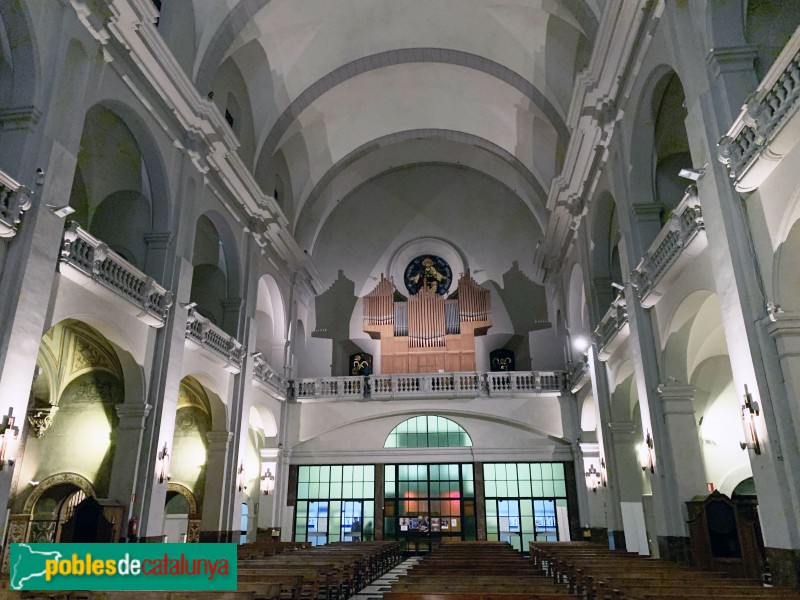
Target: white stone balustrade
{"x": 613, "y": 329}
{"x": 330, "y": 388}
{"x": 680, "y": 241}
{"x": 268, "y": 376}
{"x": 221, "y": 347}
{"x": 765, "y": 130}
{"x": 89, "y": 262}
{"x": 15, "y": 199}
{"x": 430, "y": 385}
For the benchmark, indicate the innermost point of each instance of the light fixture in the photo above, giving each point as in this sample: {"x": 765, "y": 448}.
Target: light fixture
{"x": 61, "y": 212}
{"x": 692, "y": 173}
{"x": 603, "y": 472}
{"x": 8, "y": 443}
{"x": 188, "y": 305}
{"x": 257, "y": 354}
{"x": 267, "y": 482}
{"x": 163, "y": 462}
{"x": 580, "y": 343}
{"x": 593, "y": 479}
{"x": 617, "y": 286}
{"x": 750, "y": 410}
{"x": 40, "y": 176}
{"x": 240, "y": 478}
{"x": 646, "y": 454}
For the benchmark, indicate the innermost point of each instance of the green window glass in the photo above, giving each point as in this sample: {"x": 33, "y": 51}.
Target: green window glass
{"x": 428, "y": 432}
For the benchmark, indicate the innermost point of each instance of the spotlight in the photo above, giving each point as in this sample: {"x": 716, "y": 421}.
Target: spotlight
{"x": 692, "y": 174}
{"x": 617, "y": 286}
{"x": 188, "y": 305}
{"x": 61, "y": 211}
{"x": 580, "y": 343}
{"x": 257, "y": 354}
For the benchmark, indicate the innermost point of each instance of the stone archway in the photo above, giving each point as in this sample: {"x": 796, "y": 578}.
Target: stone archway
{"x": 193, "y": 528}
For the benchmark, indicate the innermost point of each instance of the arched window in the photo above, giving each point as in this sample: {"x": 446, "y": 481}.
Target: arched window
{"x": 427, "y": 432}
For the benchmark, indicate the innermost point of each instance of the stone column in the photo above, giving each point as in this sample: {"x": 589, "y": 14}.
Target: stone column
{"x": 594, "y": 518}
{"x": 156, "y": 259}
{"x": 267, "y": 506}
{"x": 127, "y": 453}
{"x": 230, "y": 315}
{"x": 480, "y": 501}
{"x": 753, "y": 352}
{"x": 683, "y": 445}
{"x": 212, "y": 528}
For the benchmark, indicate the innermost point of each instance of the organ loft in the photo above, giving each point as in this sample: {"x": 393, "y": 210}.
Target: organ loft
{"x": 429, "y": 330}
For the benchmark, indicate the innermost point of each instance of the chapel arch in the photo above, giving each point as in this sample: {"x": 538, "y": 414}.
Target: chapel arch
{"x": 215, "y": 277}
{"x": 270, "y": 318}
{"x": 119, "y": 178}
{"x": 79, "y": 383}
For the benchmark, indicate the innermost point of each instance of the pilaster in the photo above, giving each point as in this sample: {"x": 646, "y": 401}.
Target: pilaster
{"x": 127, "y": 452}
{"x": 212, "y": 526}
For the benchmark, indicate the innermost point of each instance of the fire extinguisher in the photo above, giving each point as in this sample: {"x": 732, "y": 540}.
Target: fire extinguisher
{"x": 133, "y": 529}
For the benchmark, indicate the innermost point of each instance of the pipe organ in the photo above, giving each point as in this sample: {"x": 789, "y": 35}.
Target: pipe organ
{"x": 427, "y": 332}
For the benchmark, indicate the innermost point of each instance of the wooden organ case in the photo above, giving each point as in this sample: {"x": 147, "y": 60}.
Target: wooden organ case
{"x": 427, "y": 332}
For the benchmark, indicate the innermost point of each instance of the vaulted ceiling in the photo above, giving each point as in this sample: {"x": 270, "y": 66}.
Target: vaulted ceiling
{"x": 329, "y": 95}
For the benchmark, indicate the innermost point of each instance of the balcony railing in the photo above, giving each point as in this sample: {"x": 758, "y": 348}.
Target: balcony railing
{"x": 217, "y": 343}
{"x": 15, "y": 199}
{"x": 578, "y": 374}
{"x": 85, "y": 260}
{"x": 678, "y": 243}
{"x": 613, "y": 328}
{"x": 431, "y": 385}
{"x": 265, "y": 374}
{"x": 766, "y": 126}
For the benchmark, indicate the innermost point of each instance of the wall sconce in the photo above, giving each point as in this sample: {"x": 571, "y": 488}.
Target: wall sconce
{"x": 646, "y": 454}
{"x": 267, "y": 482}
{"x": 240, "y": 478}
{"x": 163, "y": 459}
{"x": 750, "y": 410}
{"x": 8, "y": 444}
{"x": 593, "y": 479}
{"x": 603, "y": 472}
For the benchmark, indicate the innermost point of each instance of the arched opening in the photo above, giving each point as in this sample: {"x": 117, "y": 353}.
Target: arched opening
{"x": 189, "y": 456}
{"x": 270, "y": 319}
{"x": 215, "y": 278}
{"x": 52, "y": 510}
{"x": 71, "y": 442}
{"x": 671, "y": 144}
{"x": 112, "y": 185}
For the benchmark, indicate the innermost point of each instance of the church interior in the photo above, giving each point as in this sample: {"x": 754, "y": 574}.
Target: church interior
{"x": 386, "y": 270}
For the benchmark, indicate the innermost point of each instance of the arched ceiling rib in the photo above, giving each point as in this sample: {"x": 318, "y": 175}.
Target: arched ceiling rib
{"x": 415, "y": 147}
{"x": 404, "y": 56}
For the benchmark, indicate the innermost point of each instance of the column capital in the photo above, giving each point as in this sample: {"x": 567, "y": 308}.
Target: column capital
{"x": 782, "y": 324}
{"x": 650, "y": 210}
{"x": 132, "y": 416}
{"x": 218, "y": 440}
{"x": 590, "y": 449}
{"x": 622, "y": 431}
{"x": 158, "y": 239}
{"x": 677, "y": 398}
{"x": 731, "y": 59}
{"x": 271, "y": 454}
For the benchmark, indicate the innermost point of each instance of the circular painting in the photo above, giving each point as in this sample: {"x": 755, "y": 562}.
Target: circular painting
{"x": 430, "y": 271}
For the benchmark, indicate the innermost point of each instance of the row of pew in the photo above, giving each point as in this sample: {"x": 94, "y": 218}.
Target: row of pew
{"x": 272, "y": 571}
{"x": 597, "y": 573}
{"x": 476, "y": 571}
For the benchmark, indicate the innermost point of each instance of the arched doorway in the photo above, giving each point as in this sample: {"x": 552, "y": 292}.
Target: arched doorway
{"x": 181, "y": 519}
{"x": 52, "y": 504}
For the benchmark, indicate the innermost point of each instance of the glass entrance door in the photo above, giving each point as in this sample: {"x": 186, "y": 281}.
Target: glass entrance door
{"x": 508, "y": 522}
{"x": 317, "y": 523}
{"x": 351, "y": 521}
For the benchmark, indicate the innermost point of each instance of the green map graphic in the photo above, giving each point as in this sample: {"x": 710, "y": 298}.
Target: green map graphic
{"x": 29, "y": 564}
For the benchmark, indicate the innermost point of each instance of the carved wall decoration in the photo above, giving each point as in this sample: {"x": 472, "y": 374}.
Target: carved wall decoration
{"x": 41, "y": 419}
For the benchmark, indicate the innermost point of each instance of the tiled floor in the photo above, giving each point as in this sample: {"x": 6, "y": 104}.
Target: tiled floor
{"x": 375, "y": 590}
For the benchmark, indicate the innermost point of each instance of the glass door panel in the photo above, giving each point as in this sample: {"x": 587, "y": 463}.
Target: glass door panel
{"x": 318, "y": 523}
{"x": 508, "y": 522}
{"x": 544, "y": 520}
{"x": 352, "y": 521}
